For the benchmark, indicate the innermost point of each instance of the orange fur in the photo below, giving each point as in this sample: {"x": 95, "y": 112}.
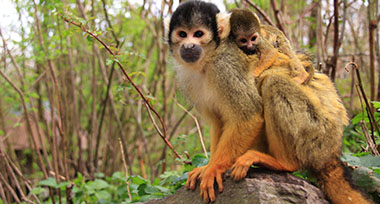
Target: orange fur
{"x": 338, "y": 189}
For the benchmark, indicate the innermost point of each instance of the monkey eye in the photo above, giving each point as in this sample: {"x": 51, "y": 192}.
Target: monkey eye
{"x": 198, "y": 34}
{"x": 243, "y": 40}
{"x": 182, "y": 34}
{"x": 253, "y": 38}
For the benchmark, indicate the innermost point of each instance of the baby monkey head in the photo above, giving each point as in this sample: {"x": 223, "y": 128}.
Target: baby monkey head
{"x": 245, "y": 27}
{"x": 193, "y": 31}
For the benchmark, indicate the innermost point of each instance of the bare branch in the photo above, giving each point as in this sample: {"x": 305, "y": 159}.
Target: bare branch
{"x": 261, "y": 12}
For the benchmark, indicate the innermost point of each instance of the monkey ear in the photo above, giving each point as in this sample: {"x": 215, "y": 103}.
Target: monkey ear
{"x": 224, "y": 28}
{"x": 258, "y": 19}
{"x": 166, "y": 28}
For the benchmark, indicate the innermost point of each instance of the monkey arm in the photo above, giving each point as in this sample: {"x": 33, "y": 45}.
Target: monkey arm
{"x": 237, "y": 138}
{"x": 215, "y": 132}
{"x": 268, "y": 55}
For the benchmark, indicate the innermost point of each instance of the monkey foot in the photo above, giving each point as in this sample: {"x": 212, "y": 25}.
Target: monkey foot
{"x": 241, "y": 167}
{"x": 193, "y": 176}
{"x": 211, "y": 174}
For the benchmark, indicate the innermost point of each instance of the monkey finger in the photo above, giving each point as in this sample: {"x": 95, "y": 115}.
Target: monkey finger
{"x": 207, "y": 188}
{"x": 219, "y": 181}
{"x": 192, "y": 181}
{"x": 204, "y": 194}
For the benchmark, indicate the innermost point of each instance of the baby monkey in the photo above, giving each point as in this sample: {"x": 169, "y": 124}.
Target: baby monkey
{"x": 252, "y": 37}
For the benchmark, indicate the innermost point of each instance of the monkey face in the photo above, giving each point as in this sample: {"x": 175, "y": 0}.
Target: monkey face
{"x": 189, "y": 44}
{"x": 193, "y": 32}
{"x": 247, "y": 43}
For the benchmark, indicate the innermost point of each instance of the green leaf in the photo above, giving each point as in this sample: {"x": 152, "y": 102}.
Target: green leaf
{"x": 199, "y": 160}
{"x": 37, "y": 191}
{"x": 180, "y": 179}
{"x": 63, "y": 184}
{"x": 109, "y": 62}
{"x": 138, "y": 180}
{"x": 90, "y": 39}
{"x": 377, "y": 172}
{"x": 118, "y": 176}
{"x": 49, "y": 182}
{"x": 163, "y": 189}
{"x": 151, "y": 190}
{"x": 34, "y": 95}
{"x": 99, "y": 175}
{"x": 357, "y": 119}
{"x": 103, "y": 195}
{"x": 82, "y": 21}
{"x": 376, "y": 104}
{"x": 351, "y": 159}
{"x": 97, "y": 184}
{"x": 141, "y": 189}
{"x": 16, "y": 125}
{"x": 79, "y": 180}
{"x": 370, "y": 161}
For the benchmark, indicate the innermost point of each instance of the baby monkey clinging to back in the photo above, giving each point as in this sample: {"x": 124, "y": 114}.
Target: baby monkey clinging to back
{"x": 252, "y": 37}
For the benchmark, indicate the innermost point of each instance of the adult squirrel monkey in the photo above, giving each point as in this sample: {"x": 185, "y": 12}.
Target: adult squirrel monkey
{"x": 220, "y": 85}
{"x": 303, "y": 123}
{"x": 253, "y": 37}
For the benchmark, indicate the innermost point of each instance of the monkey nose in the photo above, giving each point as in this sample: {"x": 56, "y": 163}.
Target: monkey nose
{"x": 189, "y": 46}
{"x": 249, "y": 45}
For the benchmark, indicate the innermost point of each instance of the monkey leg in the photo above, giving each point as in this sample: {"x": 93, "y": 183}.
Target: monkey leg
{"x": 236, "y": 139}
{"x": 295, "y": 124}
{"x": 242, "y": 164}
{"x": 215, "y": 132}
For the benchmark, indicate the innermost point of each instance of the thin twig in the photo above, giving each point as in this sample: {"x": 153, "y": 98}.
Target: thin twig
{"x": 125, "y": 169}
{"x": 278, "y": 16}
{"x": 302, "y": 16}
{"x": 12, "y": 175}
{"x": 367, "y": 107}
{"x": 10, "y": 189}
{"x": 363, "y": 125}
{"x": 261, "y": 12}
{"x": 197, "y": 124}
{"x": 28, "y": 120}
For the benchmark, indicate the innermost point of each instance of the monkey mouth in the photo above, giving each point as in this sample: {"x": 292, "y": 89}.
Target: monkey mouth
{"x": 250, "y": 51}
{"x": 190, "y": 56}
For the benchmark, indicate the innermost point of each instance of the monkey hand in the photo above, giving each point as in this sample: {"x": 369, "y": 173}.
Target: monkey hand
{"x": 212, "y": 173}
{"x": 193, "y": 176}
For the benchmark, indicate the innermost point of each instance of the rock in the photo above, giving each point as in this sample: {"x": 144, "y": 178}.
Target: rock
{"x": 260, "y": 186}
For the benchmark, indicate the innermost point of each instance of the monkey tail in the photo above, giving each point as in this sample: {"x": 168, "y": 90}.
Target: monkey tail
{"x": 335, "y": 182}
